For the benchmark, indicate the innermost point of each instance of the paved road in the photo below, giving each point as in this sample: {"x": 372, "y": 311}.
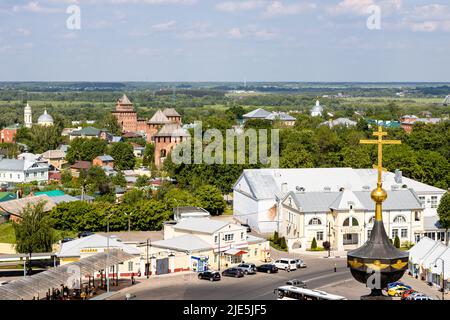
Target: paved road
{"x": 252, "y": 287}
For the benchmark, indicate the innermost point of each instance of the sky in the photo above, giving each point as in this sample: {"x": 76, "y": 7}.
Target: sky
{"x": 216, "y": 40}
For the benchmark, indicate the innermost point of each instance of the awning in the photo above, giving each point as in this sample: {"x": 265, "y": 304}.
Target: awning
{"x": 235, "y": 252}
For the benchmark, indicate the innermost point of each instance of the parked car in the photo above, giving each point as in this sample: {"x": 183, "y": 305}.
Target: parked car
{"x": 247, "y": 268}
{"x": 286, "y": 264}
{"x": 296, "y": 283}
{"x": 3, "y": 283}
{"x": 418, "y": 297}
{"x": 398, "y": 291}
{"x": 407, "y": 293}
{"x": 247, "y": 226}
{"x": 233, "y": 272}
{"x": 66, "y": 240}
{"x": 209, "y": 275}
{"x": 300, "y": 263}
{"x": 83, "y": 234}
{"x": 268, "y": 268}
{"x": 394, "y": 284}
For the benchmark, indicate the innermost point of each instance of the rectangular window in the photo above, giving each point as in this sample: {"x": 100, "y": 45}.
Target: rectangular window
{"x": 417, "y": 216}
{"x": 434, "y": 202}
{"x": 242, "y": 236}
{"x": 422, "y": 200}
{"x": 229, "y": 237}
{"x": 404, "y": 233}
{"x": 130, "y": 266}
{"x": 215, "y": 239}
{"x": 394, "y": 233}
{"x": 369, "y": 232}
{"x": 319, "y": 235}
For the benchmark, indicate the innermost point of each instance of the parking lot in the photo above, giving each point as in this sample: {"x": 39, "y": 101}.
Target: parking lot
{"x": 259, "y": 286}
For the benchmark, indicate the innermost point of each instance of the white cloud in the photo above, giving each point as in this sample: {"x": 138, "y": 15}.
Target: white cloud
{"x": 235, "y": 6}
{"x": 165, "y": 26}
{"x": 35, "y": 7}
{"x": 235, "y": 33}
{"x": 428, "y": 18}
{"x": 24, "y": 31}
{"x": 277, "y": 8}
{"x": 360, "y": 7}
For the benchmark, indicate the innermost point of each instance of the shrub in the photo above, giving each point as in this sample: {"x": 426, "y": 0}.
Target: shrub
{"x": 282, "y": 243}
{"x": 275, "y": 237}
{"x": 326, "y": 245}
{"x": 314, "y": 244}
{"x": 397, "y": 242}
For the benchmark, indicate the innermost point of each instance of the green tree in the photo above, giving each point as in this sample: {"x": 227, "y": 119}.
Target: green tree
{"x": 211, "y": 199}
{"x": 123, "y": 155}
{"x": 133, "y": 196}
{"x": 142, "y": 181}
{"x": 443, "y": 211}
{"x": 180, "y": 198}
{"x": 97, "y": 180}
{"x": 66, "y": 178}
{"x": 34, "y": 232}
{"x": 119, "y": 180}
{"x": 314, "y": 244}
{"x": 149, "y": 215}
{"x": 295, "y": 156}
{"x": 85, "y": 149}
{"x": 149, "y": 155}
{"x": 110, "y": 123}
{"x": 40, "y": 138}
{"x": 397, "y": 242}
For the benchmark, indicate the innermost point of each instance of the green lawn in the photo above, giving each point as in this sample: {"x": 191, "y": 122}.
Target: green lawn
{"x": 7, "y": 234}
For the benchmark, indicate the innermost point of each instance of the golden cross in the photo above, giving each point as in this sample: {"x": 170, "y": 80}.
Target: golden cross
{"x": 380, "y": 142}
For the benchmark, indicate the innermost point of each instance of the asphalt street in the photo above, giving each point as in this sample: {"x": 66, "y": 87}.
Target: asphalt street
{"x": 320, "y": 272}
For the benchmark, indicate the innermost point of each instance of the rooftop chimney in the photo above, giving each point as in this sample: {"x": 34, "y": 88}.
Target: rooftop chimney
{"x": 398, "y": 176}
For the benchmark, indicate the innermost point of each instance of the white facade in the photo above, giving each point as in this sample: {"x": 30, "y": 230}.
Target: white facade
{"x": 317, "y": 110}
{"x": 256, "y": 192}
{"x": 14, "y": 171}
{"x": 28, "y": 116}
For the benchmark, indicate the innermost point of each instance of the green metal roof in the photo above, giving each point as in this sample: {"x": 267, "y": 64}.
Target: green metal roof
{"x": 6, "y": 196}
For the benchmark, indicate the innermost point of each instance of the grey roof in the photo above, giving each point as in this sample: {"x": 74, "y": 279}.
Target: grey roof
{"x": 116, "y": 139}
{"x": 282, "y": 116}
{"x": 324, "y": 201}
{"x": 266, "y": 183}
{"x": 340, "y": 121}
{"x": 315, "y": 201}
{"x": 64, "y": 198}
{"x": 86, "y": 197}
{"x": 106, "y": 157}
{"x": 172, "y": 130}
{"x": 159, "y": 118}
{"x": 171, "y": 112}
{"x": 204, "y": 225}
{"x": 396, "y": 200}
{"x": 45, "y": 117}
{"x": 183, "y": 243}
{"x": 20, "y": 165}
{"x": 256, "y": 114}
{"x": 16, "y": 206}
{"x": 421, "y": 249}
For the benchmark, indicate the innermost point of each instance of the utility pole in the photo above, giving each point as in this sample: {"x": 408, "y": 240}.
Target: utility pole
{"x": 329, "y": 238}
{"x": 107, "y": 253}
{"x": 147, "y": 268}
{"x": 219, "y": 251}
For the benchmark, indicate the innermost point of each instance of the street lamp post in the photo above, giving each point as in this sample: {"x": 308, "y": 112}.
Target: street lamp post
{"x": 147, "y": 267}
{"x": 442, "y": 275}
{"x": 107, "y": 253}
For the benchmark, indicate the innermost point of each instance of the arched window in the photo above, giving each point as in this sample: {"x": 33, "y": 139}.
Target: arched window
{"x": 350, "y": 221}
{"x": 372, "y": 220}
{"x": 399, "y": 219}
{"x": 314, "y": 221}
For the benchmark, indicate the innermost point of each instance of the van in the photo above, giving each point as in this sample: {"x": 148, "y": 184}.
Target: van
{"x": 286, "y": 264}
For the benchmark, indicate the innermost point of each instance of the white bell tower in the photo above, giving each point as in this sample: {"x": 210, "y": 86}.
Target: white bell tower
{"x": 28, "y": 116}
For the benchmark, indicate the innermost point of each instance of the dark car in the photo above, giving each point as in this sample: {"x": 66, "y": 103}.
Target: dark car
{"x": 83, "y": 234}
{"x": 233, "y": 272}
{"x": 247, "y": 226}
{"x": 209, "y": 275}
{"x": 66, "y": 240}
{"x": 268, "y": 268}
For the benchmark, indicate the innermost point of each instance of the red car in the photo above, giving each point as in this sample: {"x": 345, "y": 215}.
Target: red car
{"x": 407, "y": 293}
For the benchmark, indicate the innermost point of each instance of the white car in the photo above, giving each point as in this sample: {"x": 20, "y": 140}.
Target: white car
{"x": 286, "y": 264}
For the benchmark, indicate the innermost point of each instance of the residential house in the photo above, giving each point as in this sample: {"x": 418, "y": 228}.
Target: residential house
{"x": 80, "y": 166}
{"x": 346, "y": 122}
{"x": 104, "y": 161}
{"x": 14, "y": 171}
{"x": 56, "y": 158}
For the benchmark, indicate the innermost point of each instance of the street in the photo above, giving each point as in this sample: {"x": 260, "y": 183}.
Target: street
{"x": 320, "y": 272}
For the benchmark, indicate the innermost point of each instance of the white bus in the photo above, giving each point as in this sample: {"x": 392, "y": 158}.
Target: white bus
{"x": 296, "y": 293}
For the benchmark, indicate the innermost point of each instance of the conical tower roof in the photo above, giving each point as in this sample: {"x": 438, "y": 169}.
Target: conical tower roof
{"x": 159, "y": 118}
{"x": 124, "y": 100}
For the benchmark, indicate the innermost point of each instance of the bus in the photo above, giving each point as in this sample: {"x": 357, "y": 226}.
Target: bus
{"x": 296, "y": 293}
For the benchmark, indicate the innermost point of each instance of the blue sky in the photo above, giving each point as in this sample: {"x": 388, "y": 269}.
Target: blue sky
{"x": 215, "y": 40}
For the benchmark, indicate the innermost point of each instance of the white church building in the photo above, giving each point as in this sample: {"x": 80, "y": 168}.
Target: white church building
{"x": 302, "y": 204}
